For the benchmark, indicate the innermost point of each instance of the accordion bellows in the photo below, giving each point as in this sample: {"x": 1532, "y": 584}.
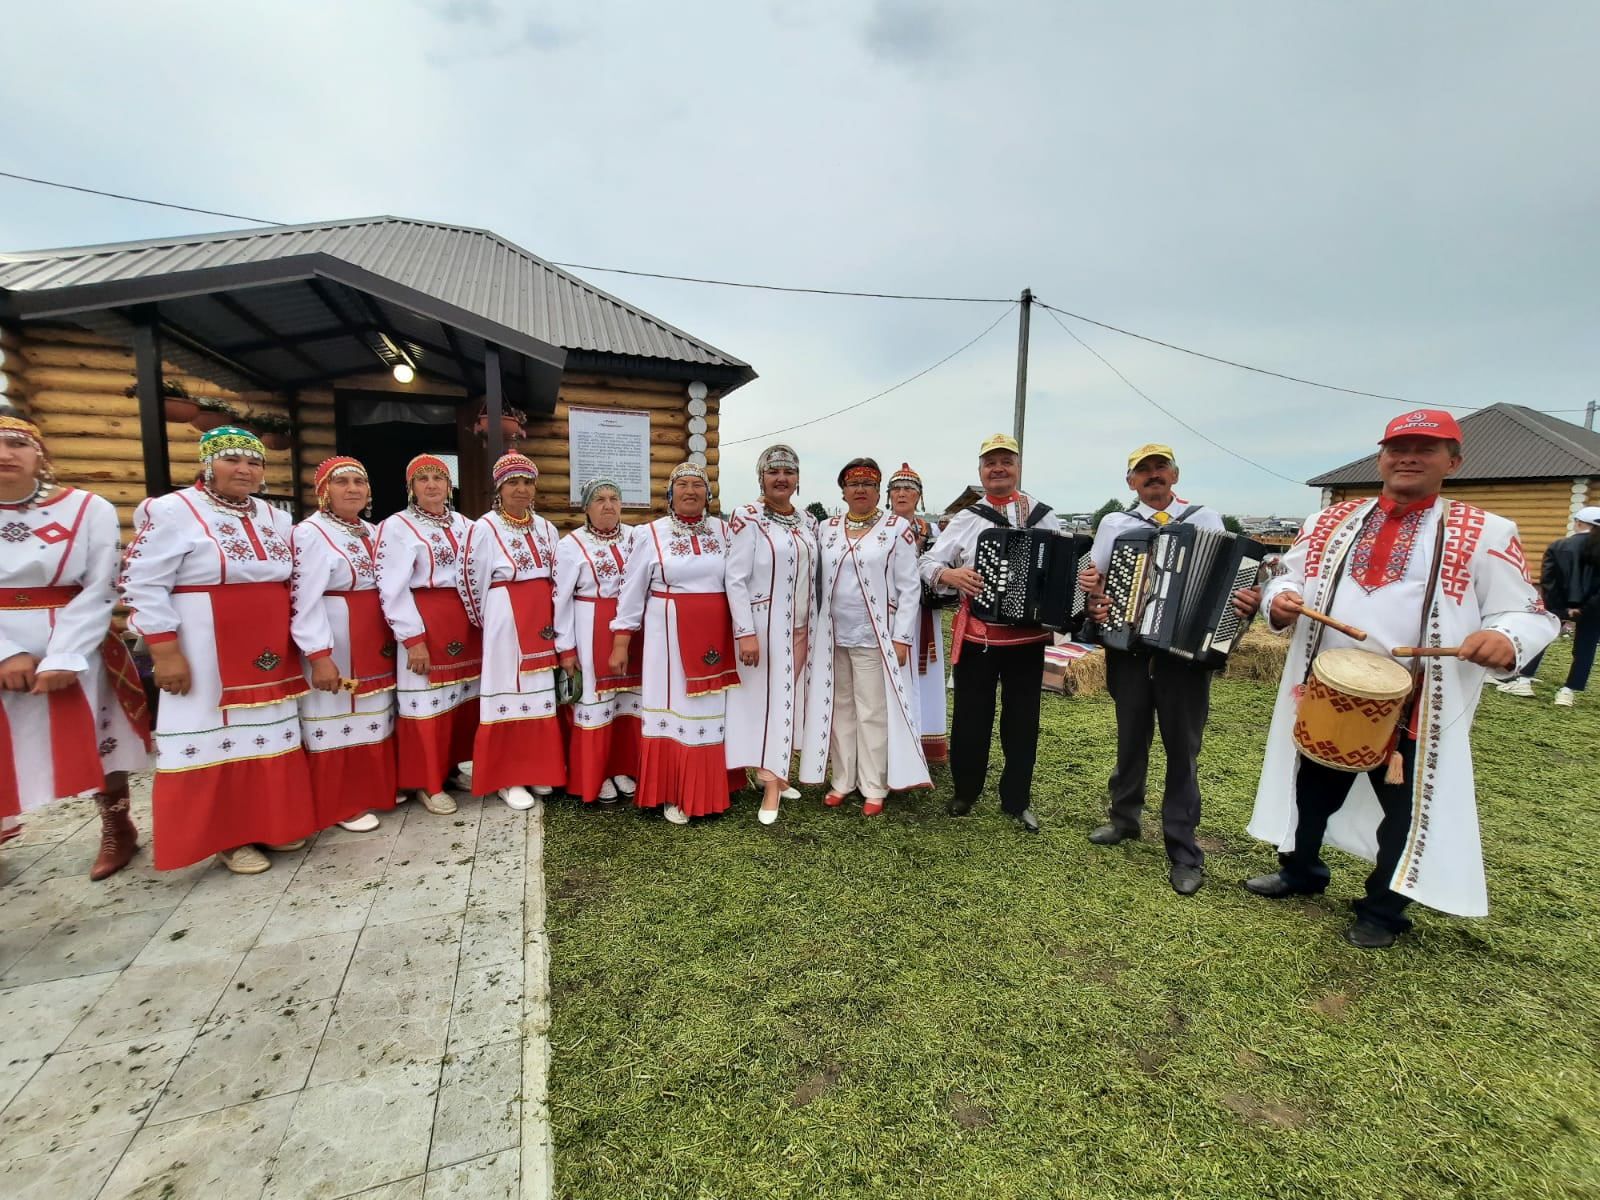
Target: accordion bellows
{"x": 1171, "y": 590}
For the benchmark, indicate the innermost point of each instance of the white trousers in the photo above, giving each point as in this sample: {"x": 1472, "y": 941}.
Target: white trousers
{"x": 860, "y": 749}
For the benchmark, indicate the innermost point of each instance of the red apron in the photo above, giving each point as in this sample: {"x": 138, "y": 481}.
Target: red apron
{"x": 533, "y": 608}
{"x": 455, "y": 646}
{"x": 705, "y": 640}
{"x": 371, "y": 642}
{"x": 605, "y": 611}
{"x": 255, "y": 659}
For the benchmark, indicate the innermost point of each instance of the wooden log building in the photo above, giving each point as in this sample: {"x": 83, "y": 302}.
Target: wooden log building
{"x": 380, "y": 338}
{"x": 1525, "y": 465}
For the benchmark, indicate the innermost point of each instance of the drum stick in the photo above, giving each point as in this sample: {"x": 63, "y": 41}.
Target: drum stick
{"x": 1425, "y": 651}
{"x": 1350, "y": 631}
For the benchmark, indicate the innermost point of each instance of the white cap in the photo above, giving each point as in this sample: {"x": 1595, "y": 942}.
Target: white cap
{"x": 1589, "y": 515}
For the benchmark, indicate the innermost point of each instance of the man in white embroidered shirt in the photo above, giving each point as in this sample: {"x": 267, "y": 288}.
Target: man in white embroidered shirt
{"x": 1150, "y": 688}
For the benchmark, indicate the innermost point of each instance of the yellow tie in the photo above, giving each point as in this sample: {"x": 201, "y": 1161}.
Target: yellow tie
{"x": 1161, "y": 518}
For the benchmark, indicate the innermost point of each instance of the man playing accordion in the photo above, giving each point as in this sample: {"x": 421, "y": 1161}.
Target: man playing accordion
{"x": 985, "y": 656}
{"x": 1151, "y": 687}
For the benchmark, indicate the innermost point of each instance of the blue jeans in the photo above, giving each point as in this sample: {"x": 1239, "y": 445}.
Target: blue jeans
{"x": 1585, "y": 639}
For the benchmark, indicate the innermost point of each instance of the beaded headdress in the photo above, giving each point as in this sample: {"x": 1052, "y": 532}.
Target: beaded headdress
{"x": 592, "y": 487}
{"x": 905, "y": 477}
{"x": 513, "y": 466}
{"x": 230, "y": 439}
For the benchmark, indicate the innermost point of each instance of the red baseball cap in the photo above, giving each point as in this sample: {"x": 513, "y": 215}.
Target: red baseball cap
{"x": 1424, "y": 422}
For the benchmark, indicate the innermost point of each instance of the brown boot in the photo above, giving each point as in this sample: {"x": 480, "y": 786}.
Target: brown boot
{"x": 118, "y": 837}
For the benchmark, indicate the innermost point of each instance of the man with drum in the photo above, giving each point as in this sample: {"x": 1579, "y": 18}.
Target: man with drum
{"x": 1148, "y": 687}
{"x": 1411, "y": 569}
{"x": 984, "y": 656}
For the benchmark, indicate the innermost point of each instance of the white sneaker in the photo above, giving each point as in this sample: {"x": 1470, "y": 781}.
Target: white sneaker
{"x": 542, "y": 791}
{"x": 365, "y": 823}
{"x": 789, "y": 794}
{"x": 1565, "y": 697}
{"x": 608, "y": 792}
{"x": 1520, "y": 686}
{"x": 676, "y": 815}
{"x": 626, "y": 784}
{"x": 518, "y": 798}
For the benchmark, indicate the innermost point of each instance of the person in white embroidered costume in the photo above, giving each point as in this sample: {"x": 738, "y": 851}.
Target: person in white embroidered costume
{"x": 858, "y": 711}
{"x": 1380, "y": 565}
{"x": 926, "y": 673}
{"x": 673, "y": 588}
{"x": 984, "y": 656}
{"x": 603, "y": 737}
{"x": 347, "y": 718}
{"x": 436, "y": 691}
{"x": 207, "y": 580}
{"x": 772, "y": 577}
{"x": 508, "y": 585}
{"x": 72, "y": 714}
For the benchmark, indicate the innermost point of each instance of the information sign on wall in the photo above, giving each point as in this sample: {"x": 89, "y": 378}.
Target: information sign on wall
{"x": 612, "y": 442}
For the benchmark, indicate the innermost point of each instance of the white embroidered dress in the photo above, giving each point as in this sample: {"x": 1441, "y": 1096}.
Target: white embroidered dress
{"x": 507, "y": 584}
{"x": 1483, "y": 584}
{"x": 436, "y": 714}
{"x": 772, "y": 582}
{"x": 68, "y": 541}
{"x": 604, "y": 736}
{"x": 349, "y": 735}
{"x": 881, "y": 568}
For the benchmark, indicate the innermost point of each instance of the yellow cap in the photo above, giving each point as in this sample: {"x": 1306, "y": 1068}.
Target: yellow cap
{"x": 1151, "y": 450}
{"x": 999, "y": 441}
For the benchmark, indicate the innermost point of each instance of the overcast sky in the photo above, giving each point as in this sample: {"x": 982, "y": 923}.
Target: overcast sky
{"x": 1395, "y": 197}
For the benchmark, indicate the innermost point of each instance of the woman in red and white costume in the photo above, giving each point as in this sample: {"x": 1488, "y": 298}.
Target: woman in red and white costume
{"x": 858, "y": 713}
{"x": 603, "y": 736}
{"x": 207, "y": 578}
{"x": 347, "y": 718}
{"x": 72, "y": 714}
{"x": 772, "y": 582}
{"x": 436, "y": 692}
{"x": 674, "y": 588}
{"x": 925, "y": 678}
{"x": 508, "y": 586}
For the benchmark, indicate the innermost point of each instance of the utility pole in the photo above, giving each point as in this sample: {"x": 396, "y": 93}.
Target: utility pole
{"x": 1588, "y": 416}
{"x": 1020, "y": 417}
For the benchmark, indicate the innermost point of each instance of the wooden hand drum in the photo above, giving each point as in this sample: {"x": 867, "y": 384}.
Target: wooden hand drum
{"x": 1349, "y": 709}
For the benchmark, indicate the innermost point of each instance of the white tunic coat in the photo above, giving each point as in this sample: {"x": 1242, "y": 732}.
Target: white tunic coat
{"x": 772, "y": 574}
{"x": 415, "y": 554}
{"x": 70, "y": 540}
{"x": 588, "y": 568}
{"x": 498, "y": 552}
{"x": 1483, "y": 584}
{"x": 880, "y": 567}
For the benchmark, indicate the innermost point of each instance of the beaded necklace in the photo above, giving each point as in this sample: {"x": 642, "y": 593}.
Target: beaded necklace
{"x": 517, "y": 522}
{"x": 684, "y": 529}
{"x": 229, "y": 508}
{"x": 855, "y": 524}
{"x": 611, "y": 535}
{"x": 439, "y": 521}
{"x": 353, "y": 528}
{"x": 789, "y": 520}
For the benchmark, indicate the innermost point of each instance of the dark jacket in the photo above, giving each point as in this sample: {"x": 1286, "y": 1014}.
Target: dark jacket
{"x": 1569, "y": 579}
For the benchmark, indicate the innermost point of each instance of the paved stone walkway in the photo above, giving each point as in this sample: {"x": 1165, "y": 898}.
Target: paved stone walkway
{"x": 365, "y": 1019}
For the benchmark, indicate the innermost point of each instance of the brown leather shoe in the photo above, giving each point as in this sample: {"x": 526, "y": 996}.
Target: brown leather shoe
{"x": 119, "y": 840}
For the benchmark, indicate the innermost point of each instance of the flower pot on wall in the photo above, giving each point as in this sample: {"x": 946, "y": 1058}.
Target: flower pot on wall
{"x": 179, "y": 409}
{"x": 275, "y": 441}
{"x": 208, "y": 418}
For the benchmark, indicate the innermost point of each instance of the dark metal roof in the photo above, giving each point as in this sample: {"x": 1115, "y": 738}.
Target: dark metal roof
{"x": 471, "y": 269}
{"x": 1503, "y": 441}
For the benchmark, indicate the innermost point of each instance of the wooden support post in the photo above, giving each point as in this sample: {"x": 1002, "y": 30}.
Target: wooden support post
{"x": 297, "y": 507}
{"x": 494, "y": 405}
{"x": 152, "y": 417}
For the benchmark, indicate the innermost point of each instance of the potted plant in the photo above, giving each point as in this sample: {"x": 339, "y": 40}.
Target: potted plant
{"x": 176, "y": 403}
{"x": 512, "y": 423}
{"x": 212, "y": 411}
{"x": 276, "y": 432}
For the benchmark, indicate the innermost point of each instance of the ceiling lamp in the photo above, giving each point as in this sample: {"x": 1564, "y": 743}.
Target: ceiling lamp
{"x": 403, "y": 373}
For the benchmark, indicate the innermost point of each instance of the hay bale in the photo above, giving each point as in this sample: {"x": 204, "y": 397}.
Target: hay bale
{"x": 1259, "y": 656}
{"x": 1086, "y": 676}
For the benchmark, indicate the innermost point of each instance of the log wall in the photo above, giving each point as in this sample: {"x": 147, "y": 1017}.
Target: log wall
{"x": 72, "y": 383}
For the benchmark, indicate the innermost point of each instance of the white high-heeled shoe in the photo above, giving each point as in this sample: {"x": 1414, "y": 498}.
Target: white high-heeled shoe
{"x": 518, "y": 798}
{"x": 767, "y": 816}
{"x": 789, "y": 793}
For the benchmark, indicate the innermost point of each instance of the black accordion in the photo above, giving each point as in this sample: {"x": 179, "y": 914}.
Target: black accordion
{"x": 1171, "y": 589}
{"x": 1030, "y": 577}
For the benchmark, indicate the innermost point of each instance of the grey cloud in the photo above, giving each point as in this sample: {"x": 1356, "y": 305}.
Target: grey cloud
{"x": 911, "y": 32}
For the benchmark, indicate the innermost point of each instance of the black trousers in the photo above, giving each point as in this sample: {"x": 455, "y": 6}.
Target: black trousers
{"x": 1147, "y": 689}
{"x": 1319, "y": 793}
{"x": 1018, "y": 671}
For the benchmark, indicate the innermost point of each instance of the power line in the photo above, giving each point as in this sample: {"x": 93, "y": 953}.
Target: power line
{"x": 773, "y": 287}
{"x": 72, "y": 187}
{"x": 879, "y": 395}
{"x": 1162, "y": 408}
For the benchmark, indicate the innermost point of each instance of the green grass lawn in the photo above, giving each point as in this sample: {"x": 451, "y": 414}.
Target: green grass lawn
{"x": 922, "y": 1006}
